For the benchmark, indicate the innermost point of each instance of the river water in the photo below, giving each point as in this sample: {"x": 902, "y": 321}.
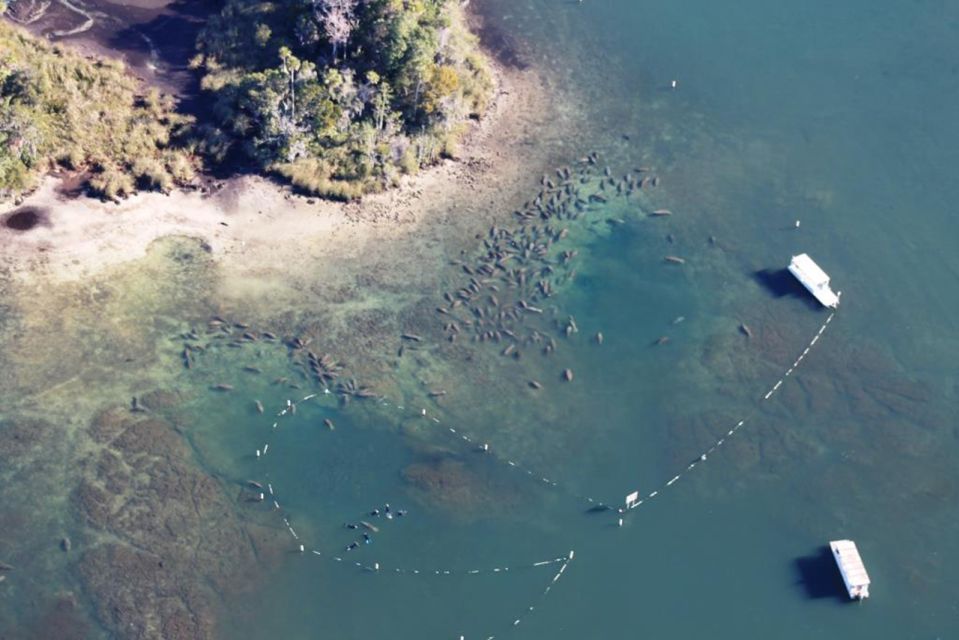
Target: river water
{"x": 835, "y": 115}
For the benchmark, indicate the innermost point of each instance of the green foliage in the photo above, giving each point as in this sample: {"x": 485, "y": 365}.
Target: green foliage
{"x": 339, "y": 97}
{"x": 112, "y": 184}
{"x": 408, "y": 162}
{"x": 73, "y": 158}
{"x": 180, "y": 168}
{"x": 262, "y": 35}
{"x": 57, "y": 107}
{"x": 313, "y": 176}
{"x": 150, "y": 173}
{"x": 330, "y": 94}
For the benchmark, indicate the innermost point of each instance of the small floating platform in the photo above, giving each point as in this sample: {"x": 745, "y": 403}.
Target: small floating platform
{"x": 814, "y": 279}
{"x": 851, "y": 567}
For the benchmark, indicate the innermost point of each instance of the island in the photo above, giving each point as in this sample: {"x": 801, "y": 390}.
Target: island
{"x": 339, "y": 98}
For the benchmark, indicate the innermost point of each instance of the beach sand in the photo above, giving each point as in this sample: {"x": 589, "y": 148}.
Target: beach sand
{"x": 252, "y": 223}
{"x": 95, "y": 293}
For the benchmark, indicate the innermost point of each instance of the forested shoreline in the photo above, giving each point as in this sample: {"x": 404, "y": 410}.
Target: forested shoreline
{"x": 59, "y": 109}
{"x": 340, "y": 96}
{"x": 337, "y": 97}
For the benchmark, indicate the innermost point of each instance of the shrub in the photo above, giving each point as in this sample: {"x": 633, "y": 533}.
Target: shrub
{"x": 66, "y": 109}
{"x": 14, "y": 175}
{"x": 408, "y": 163}
{"x": 180, "y": 168}
{"x": 151, "y": 174}
{"x": 112, "y": 184}
{"x": 73, "y": 158}
{"x": 312, "y": 176}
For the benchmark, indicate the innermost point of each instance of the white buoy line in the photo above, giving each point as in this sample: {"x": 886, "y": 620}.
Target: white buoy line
{"x": 383, "y": 568}
{"x": 484, "y": 447}
{"x": 549, "y": 587}
{"x": 38, "y": 12}
{"x": 632, "y": 500}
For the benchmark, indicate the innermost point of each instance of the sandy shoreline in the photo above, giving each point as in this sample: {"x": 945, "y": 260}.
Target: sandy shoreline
{"x": 94, "y": 301}
{"x": 360, "y": 273}
{"x": 255, "y": 221}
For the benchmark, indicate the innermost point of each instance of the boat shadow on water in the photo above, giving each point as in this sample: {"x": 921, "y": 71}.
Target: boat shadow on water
{"x": 819, "y": 576}
{"x": 780, "y": 283}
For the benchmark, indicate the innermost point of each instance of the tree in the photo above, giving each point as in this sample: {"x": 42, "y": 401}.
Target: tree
{"x": 390, "y": 92}
{"x": 291, "y": 64}
{"x": 262, "y": 35}
{"x": 443, "y": 82}
{"x": 338, "y": 18}
{"x": 306, "y": 30}
{"x": 381, "y": 105}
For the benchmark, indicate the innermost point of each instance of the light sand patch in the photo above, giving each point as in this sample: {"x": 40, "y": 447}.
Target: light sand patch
{"x": 253, "y": 225}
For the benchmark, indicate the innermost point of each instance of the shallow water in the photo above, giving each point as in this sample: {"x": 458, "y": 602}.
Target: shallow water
{"x": 833, "y": 115}
{"x": 824, "y": 114}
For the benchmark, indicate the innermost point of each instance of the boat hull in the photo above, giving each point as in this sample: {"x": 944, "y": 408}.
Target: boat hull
{"x": 814, "y": 280}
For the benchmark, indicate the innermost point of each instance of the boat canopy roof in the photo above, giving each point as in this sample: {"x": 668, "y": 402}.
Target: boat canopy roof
{"x": 809, "y": 270}
{"x": 850, "y": 563}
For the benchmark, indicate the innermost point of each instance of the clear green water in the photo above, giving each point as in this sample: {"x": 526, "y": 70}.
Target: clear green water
{"x": 837, "y": 115}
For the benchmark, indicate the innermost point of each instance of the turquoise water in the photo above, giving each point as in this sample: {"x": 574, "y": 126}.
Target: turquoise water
{"x": 839, "y": 116}
{"x": 834, "y": 115}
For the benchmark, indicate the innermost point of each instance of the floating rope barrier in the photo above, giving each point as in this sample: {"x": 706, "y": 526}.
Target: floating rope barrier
{"x": 377, "y": 567}
{"x": 288, "y": 410}
{"x": 37, "y": 13}
{"x": 484, "y": 447}
{"x": 549, "y": 587}
{"x": 633, "y": 500}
